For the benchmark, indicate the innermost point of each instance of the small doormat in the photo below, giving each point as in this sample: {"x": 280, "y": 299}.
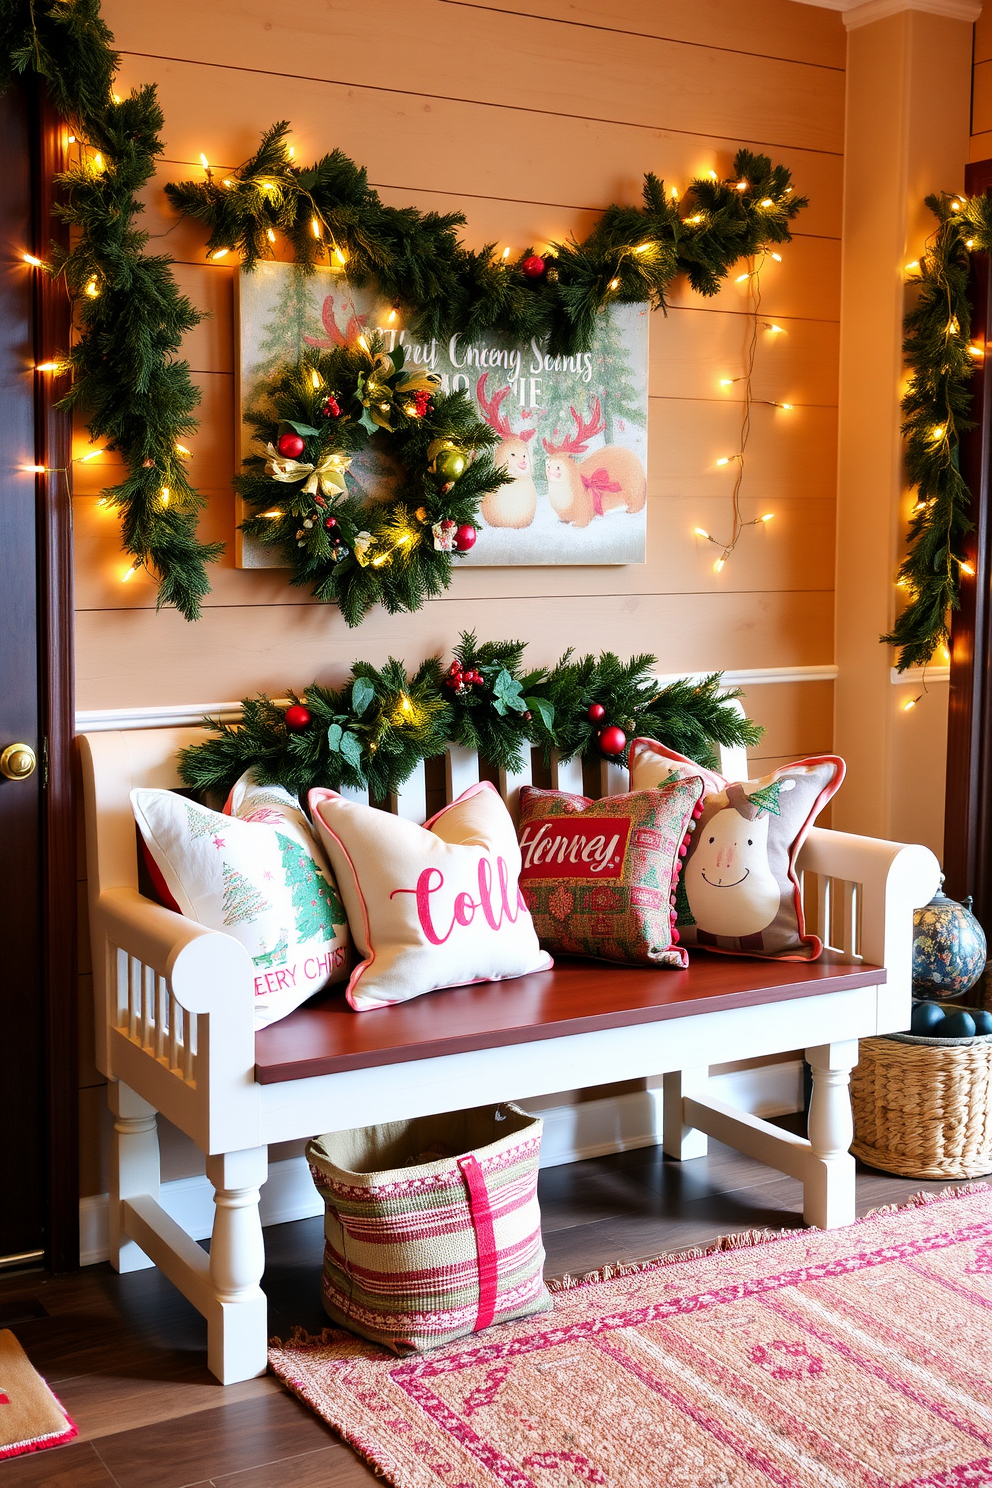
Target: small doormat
{"x": 853, "y": 1358}
{"x": 30, "y": 1416}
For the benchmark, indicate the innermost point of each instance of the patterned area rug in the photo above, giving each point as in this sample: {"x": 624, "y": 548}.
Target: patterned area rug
{"x": 854, "y": 1358}
{"x": 30, "y": 1416}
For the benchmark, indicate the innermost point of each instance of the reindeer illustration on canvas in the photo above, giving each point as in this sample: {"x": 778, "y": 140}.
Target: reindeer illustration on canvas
{"x": 513, "y": 505}
{"x": 609, "y": 479}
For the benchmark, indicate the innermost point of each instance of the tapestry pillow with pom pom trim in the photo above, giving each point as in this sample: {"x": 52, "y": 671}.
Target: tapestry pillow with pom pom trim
{"x": 600, "y": 877}
{"x": 740, "y": 892}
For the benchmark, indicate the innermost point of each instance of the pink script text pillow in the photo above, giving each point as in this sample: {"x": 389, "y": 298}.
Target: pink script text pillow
{"x": 431, "y": 906}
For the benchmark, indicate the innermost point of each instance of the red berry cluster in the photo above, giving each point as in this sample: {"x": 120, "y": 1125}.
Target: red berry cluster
{"x": 330, "y": 407}
{"x": 422, "y": 402}
{"x": 460, "y": 678}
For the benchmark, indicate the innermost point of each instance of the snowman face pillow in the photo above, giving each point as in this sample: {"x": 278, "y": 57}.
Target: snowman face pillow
{"x": 739, "y": 892}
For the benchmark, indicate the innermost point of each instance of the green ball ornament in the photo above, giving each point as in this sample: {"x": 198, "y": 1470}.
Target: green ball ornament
{"x": 450, "y": 464}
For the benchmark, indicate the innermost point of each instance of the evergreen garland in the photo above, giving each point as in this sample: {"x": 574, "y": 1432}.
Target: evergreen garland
{"x": 329, "y": 408}
{"x": 376, "y": 729}
{"x": 126, "y": 380}
{"x": 328, "y": 212}
{"x": 936, "y": 406}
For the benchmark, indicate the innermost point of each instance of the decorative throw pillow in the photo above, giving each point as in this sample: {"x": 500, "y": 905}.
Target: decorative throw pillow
{"x": 599, "y": 877}
{"x": 265, "y": 882}
{"x": 431, "y": 906}
{"x": 739, "y": 892}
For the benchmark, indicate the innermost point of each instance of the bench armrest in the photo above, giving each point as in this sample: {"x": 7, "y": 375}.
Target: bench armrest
{"x": 206, "y": 970}
{"x": 895, "y": 879}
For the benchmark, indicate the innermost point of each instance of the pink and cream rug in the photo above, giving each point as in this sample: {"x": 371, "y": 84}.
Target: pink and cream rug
{"x": 854, "y": 1358}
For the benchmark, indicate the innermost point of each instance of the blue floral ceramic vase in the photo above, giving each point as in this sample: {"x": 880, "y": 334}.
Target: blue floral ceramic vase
{"x": 948, "y": 948}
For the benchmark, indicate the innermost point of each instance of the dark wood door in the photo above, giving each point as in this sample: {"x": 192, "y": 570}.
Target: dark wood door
{"x": 38, "y": 1161}
{"x": 22, "y": 1021}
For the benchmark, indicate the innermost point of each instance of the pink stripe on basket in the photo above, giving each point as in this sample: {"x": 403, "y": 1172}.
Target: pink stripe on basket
{"x": 485, "y": 1238}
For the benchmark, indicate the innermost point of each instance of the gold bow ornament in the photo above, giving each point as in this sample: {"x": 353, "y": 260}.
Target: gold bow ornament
{"x": 328, "y": 475}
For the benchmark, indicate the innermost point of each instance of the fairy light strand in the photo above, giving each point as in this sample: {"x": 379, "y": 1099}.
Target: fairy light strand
{"x": 739, "y": 523}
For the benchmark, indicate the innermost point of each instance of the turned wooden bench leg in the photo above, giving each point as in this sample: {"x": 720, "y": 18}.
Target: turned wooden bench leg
{"x": 828, "y": 1190}
{"x": 678, "y": 1139}
{"x": 237, "y": 1330}
{"x": 134, "y": 1169}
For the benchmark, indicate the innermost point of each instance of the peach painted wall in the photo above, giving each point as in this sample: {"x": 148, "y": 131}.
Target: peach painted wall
{"x": 529, "y": 116}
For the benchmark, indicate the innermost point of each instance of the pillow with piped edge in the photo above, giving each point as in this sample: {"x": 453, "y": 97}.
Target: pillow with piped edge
{"x": 432, "y": 906}
{"x": 740, "y": 892}
{"x": 600, "y": 877}
{"x": 265, "y": 882}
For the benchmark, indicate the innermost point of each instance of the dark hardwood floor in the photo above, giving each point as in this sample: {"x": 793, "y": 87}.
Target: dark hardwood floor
{"x": 127, "y": 1354}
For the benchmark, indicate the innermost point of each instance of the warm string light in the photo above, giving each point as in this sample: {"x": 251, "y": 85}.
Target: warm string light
{"x": 753, "y": 279}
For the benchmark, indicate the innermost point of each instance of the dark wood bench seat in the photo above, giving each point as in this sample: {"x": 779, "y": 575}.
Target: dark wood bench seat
{"x": 325, "y": 1036}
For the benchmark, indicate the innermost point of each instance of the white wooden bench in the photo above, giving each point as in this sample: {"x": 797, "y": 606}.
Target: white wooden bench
{"x": 174, "y": 1035}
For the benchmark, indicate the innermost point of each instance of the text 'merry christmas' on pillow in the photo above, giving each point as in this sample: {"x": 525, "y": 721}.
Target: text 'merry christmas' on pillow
{"x": 264, "y": 882}
{"x": 739, "y": 892}
{"x": 600, "y": 877}
{"x": 431, "y": 906}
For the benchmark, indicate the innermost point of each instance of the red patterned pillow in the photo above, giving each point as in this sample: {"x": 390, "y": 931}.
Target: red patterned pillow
{"x": 599, "y": 877}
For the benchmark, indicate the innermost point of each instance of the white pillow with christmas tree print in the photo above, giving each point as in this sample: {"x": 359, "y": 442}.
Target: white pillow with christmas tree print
{"x": 266, "y": 882}
{"x": 273, "y": 804}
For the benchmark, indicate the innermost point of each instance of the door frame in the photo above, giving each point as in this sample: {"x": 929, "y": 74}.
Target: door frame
{"x": 53, "y": 446}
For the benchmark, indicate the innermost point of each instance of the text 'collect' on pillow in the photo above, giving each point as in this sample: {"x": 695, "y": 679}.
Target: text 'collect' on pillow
{"x": 431, "y": 906}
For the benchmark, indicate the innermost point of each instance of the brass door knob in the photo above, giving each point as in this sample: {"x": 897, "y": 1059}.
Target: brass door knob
{"x": 18, "y": 761}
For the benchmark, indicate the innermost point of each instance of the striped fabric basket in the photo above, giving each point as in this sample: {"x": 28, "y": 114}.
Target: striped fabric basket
{"x": 432, "y": 1227}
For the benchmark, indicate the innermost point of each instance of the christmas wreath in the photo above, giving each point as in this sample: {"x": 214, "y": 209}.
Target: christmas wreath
{"x": 332, "y": 420}
{"x": 376, "y": 729}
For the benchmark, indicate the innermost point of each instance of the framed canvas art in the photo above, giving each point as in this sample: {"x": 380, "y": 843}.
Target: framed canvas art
{"x": 573, "y": 429}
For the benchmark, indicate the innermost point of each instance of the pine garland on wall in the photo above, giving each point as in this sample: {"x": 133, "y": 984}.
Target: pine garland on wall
{"x": 328, "y": 213}
{"x": 376, "y": 729}
{"x": 941, "y": 358}
{"x": 126, "y": 379}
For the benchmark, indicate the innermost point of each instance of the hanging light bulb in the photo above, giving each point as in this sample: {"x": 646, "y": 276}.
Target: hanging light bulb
{"x": 221, "y": 253}
{"x": 29, "y": 258}
{"x": 701, "y": 532}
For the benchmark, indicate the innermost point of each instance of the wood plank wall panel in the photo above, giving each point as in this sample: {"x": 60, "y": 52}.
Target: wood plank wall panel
{"x": 530, "y": 116}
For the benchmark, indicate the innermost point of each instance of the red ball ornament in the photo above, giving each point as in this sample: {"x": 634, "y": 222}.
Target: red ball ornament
{"x": 297, "y": 718}
{"x": 612, "y": 740}
{"x": 291, "y": 446}
{"x": 465, "y": 537}
{"x": 330, "y": 523}
{"x": 596, "y": 712}
{"x": 533, "y": 267}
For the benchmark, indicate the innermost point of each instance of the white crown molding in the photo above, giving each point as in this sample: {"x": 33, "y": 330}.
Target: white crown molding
{"x": 863, "y": 12}
{"x": 180, "y": 715}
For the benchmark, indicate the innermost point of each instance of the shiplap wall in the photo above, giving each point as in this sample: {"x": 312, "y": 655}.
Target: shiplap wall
{"x": 529, "y": 116}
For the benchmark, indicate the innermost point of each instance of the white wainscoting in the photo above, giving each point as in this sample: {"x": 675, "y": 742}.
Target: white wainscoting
{"x": 571, "y": 1132}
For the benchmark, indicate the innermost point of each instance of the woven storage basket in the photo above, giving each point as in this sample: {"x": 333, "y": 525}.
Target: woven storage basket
{"x": 923, "y": 1106}
{"x": 432, "y": 1228}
